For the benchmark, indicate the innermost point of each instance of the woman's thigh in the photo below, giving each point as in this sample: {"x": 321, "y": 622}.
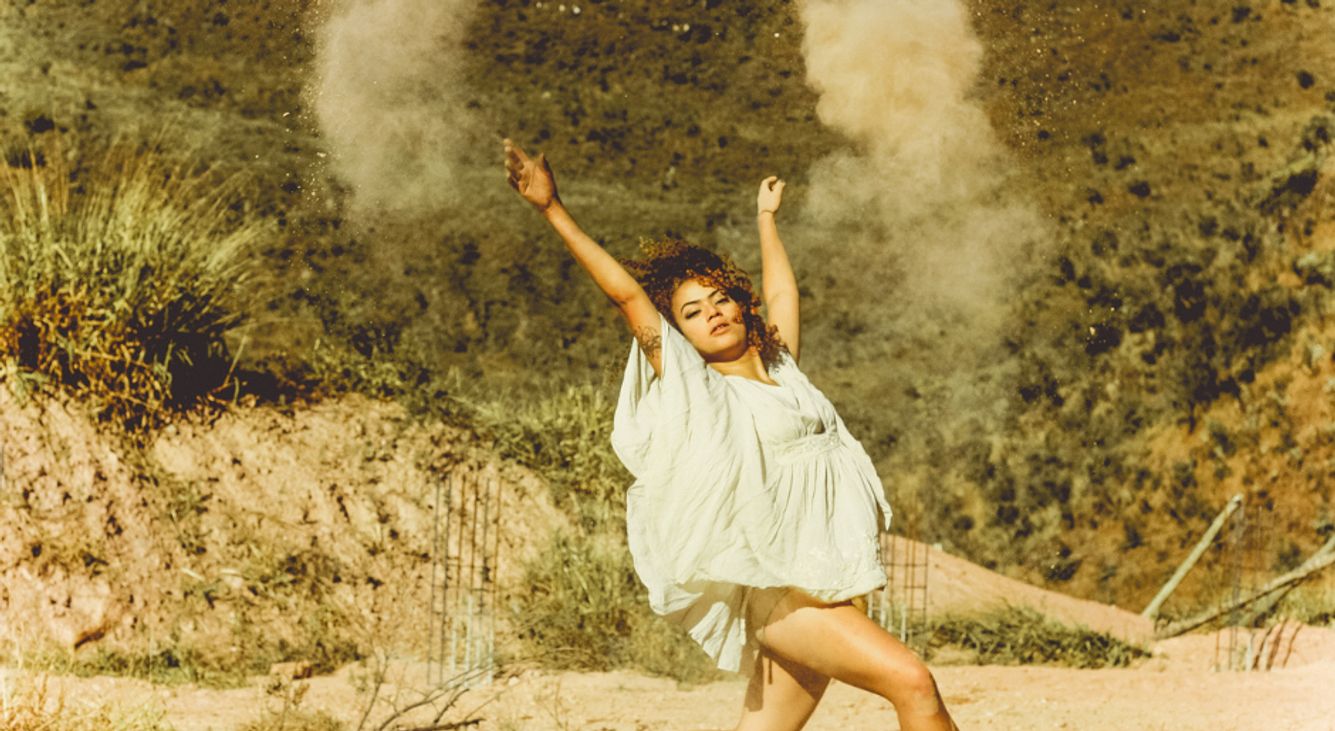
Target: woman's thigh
{"x": 781, "y": 695}
{"x": 839, "y": 641}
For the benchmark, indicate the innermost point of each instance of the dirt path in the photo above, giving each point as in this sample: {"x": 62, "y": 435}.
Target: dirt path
{"x": 1012, "y": 698}
{"x": 980, "y": 697}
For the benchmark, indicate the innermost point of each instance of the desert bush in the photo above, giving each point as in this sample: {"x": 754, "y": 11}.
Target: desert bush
{"x": 1021, "y": 636}
{"x": 586, "y": 607}
{"x": 120, "y": 272}
{"x": 587, "y": 610}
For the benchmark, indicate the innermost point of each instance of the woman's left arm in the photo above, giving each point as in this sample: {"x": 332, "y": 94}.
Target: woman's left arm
{"x": 778, "y": 282}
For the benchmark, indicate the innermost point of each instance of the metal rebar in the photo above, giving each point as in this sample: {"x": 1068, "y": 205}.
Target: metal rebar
{"x": 451, "y": 591}
{"x": 431, "y": 601}
{"x": 484, "y": 489}
{"x": 495, "y": 579}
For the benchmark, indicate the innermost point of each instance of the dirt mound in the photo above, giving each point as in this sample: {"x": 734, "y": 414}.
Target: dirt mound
{"x": 265, "y": 535}
{"x": 958, "y": 587}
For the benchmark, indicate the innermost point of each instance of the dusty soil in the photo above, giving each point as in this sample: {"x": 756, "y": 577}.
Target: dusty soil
{"x": 1158, "y": 695}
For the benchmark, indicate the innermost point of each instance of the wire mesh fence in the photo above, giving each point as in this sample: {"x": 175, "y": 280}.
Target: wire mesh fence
{"x": 901, "y": 605}
{"x": 1246, "y": 567}
{"x": 461, "y": 642}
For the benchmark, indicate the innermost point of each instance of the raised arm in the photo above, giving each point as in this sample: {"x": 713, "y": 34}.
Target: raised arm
{"x": 533, "y": 179}
{"x": 778, "y": 284}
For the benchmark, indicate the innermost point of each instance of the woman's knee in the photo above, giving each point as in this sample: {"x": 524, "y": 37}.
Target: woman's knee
{"x": 909, "y": 685}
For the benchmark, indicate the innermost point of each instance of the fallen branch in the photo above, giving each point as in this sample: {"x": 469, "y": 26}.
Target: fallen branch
{"x": 1325, "y": 556}
{"x": 1152, "y": 609}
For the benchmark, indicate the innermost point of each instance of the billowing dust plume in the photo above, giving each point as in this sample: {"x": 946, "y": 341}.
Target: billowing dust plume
{"x": 388, "y": 96}
{"x": 925, "y": 194}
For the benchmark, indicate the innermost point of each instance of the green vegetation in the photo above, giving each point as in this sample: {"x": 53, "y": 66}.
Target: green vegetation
{"x": 321, "y": 638}
{"x": 585, "y": 607}
{"x": 587, "y": 610}
{"x": 120, "y": 274}
{"x": 167, "y": 666}
{"x": 1020, "y": 636}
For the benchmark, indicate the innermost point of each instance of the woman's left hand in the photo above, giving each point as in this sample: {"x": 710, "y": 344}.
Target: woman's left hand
{"x": 531, "y": 177}
{"x": 771, "y": 195}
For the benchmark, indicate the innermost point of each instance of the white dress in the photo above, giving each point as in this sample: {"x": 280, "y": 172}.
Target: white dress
{"x": 740, "y": 485}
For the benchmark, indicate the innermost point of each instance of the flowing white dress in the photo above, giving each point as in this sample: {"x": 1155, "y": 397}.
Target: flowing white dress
{"x": 740, "y": 485}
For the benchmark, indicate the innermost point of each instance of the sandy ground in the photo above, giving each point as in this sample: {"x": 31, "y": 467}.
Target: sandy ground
{"x": 1156, "y": 695}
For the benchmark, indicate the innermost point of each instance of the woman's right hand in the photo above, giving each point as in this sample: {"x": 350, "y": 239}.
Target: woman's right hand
{"x": 770, "y": 196}
{"x": 531, "y": 177}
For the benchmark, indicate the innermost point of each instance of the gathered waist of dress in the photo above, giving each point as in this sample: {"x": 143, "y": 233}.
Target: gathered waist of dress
{"x": 807, "y": 445}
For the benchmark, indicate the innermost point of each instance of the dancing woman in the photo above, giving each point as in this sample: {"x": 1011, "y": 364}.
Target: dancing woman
{"x": 754, "y": 517}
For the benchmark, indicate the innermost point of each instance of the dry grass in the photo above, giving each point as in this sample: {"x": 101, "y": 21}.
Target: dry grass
{"x": 289, "y": 715}
{"x": 586, "y": 608}
{"x": 27, "y": 703}
{"x": 119, "y": 274}
{"x": 1019, "y": 636}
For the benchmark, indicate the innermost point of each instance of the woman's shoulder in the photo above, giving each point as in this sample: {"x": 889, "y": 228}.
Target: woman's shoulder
{"x": 784, "y": 363}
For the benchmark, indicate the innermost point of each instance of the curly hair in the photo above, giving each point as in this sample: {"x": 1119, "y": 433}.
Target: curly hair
{"x": 668, "y": 262}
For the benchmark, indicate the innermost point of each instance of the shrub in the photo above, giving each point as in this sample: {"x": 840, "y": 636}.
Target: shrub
{"x": 1021, "y": 636}
{"x": 587, "y": 610}
{"x": 119, "y": 275}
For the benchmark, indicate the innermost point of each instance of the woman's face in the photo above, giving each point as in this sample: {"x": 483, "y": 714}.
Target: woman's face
{"x": 710, "y": 320}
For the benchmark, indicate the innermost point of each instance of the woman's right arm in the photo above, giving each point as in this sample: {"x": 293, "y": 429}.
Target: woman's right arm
{"x": 533, "y": 179}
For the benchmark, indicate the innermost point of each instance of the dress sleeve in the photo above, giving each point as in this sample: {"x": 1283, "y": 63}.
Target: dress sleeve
{"x": 658, "y": 417}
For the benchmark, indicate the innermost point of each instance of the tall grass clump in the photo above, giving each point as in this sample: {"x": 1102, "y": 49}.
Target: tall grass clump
{"x": 585, "y": 607}
{"x": 1022, "y": 636}
{"x": 586, "y": 610}
{"x": 120, "y": 272}
{"x": 567, "y": 437}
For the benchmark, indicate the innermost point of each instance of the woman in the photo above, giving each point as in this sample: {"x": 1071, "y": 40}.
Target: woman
{"x": 753, "y": 520}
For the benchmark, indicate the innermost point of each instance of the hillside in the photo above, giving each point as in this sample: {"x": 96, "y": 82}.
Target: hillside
{"x": 1162, "y": 340}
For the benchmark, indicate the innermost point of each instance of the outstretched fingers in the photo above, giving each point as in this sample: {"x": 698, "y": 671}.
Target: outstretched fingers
{"x": 516, "y": 164}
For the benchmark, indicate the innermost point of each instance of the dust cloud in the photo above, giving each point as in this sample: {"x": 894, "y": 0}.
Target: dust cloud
{"x": 925, "y": 193}
{"x": 388, "y": 97}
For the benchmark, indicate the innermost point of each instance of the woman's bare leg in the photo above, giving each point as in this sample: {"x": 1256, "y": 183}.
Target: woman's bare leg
{"x": 781, "y": 695}
{"x": 840, "y": 642}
